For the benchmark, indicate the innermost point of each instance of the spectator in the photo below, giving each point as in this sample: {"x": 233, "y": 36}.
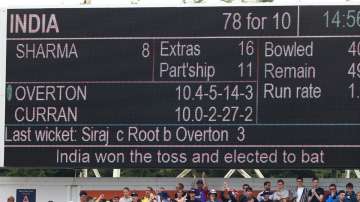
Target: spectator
{"x": 301, "y": 192}
{"x": 101, "y": 198}
{"x": 227, "y": 195}
{"x": 115, "y": 198}
{"x": 179, "y": 187}
{"x": 244, "y": 187}
{"x": 341, "y": 196}
{"x": 83, "y": 196}
{"x": 153, "y": 197}
{"x": 180, "y": 196}
{"x": 213, "y": 196}
{"x": 148, "y": 192}
{"x": 350, "y": 195}
{"x": 126, "y": 195}
{"x": 266, "y": 196}
{"x": 267, "y": 188}
{"x": 333, "y": 193}
{"x": 281, "y": 193}
{"x": 191, "y": 196}
{"x": 245, "y": 194}
{"x": 248, "y": 195}
{"x": 241, "y": 192}
{"x": 135, "y": 197}
{"x": 11, "y": 199}
{"x": 163, "y": 196}
{"x": 358, "y": 196}
{"x": 316, "y": 194}
{"x": 202, "y": 187}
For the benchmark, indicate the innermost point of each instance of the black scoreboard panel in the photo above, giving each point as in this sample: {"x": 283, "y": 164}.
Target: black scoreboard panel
{"x": 199, "y": 87}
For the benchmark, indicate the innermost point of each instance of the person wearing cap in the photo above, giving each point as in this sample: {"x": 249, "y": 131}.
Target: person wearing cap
{"x": 191, "y": 196}
{"x": 212, "y": 196}
{"x": 83, "y": 196}
{"x": 135, "y": 197}
{"x": 126, "y": 195}
{"x": 227, "y": 195}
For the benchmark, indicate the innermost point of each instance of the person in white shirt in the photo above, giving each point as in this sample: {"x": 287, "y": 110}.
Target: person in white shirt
{"x": 126, "y": 195}
{"x": 281, "y": 194}
{"x": 300, "y": 193}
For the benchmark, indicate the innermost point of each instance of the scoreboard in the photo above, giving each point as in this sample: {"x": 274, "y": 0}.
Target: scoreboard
{"x": 194, "y": 87}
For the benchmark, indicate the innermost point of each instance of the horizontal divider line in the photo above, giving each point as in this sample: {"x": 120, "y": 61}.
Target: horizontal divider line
{"x": 122, "y": 82}
{"x": 186, "y": 146}
{"x": 176, "y": 37}
{"x": 199, "y": 124}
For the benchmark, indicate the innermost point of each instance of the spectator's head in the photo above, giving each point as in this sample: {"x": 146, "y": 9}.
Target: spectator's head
{"x": 148, "y": 191}
{"x": 212, "y": 195}
{"x": 332, "y": 188}
{"x": 116, "y": 198}
{"x": 180, "y": 193}
{"x": 192, "y": 193}
{"x": 179, "y": 186}
{"x": 200, "y": 184}
{"x": 341, "y": 195}
{"x": 349, "y": 187}
{"x": 358, "y": 196}
{"x": 83, "y": 196}
{"x": 280, "y": 184}
{"x": 315, "y": 182}
{"x": 163, "y": 194}
{"x": 267, "y": 185}
{"x": 134, "y": 196}
{"x": 249, "y": 192}
{"x": 11, "y": 199}
{"x": 299, "y": 181}
{"x": 126, "y": 192}
{"x": 245, "y": 186}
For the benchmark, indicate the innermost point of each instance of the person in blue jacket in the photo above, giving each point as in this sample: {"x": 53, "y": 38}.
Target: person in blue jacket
{"x": 332, "y": 197}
